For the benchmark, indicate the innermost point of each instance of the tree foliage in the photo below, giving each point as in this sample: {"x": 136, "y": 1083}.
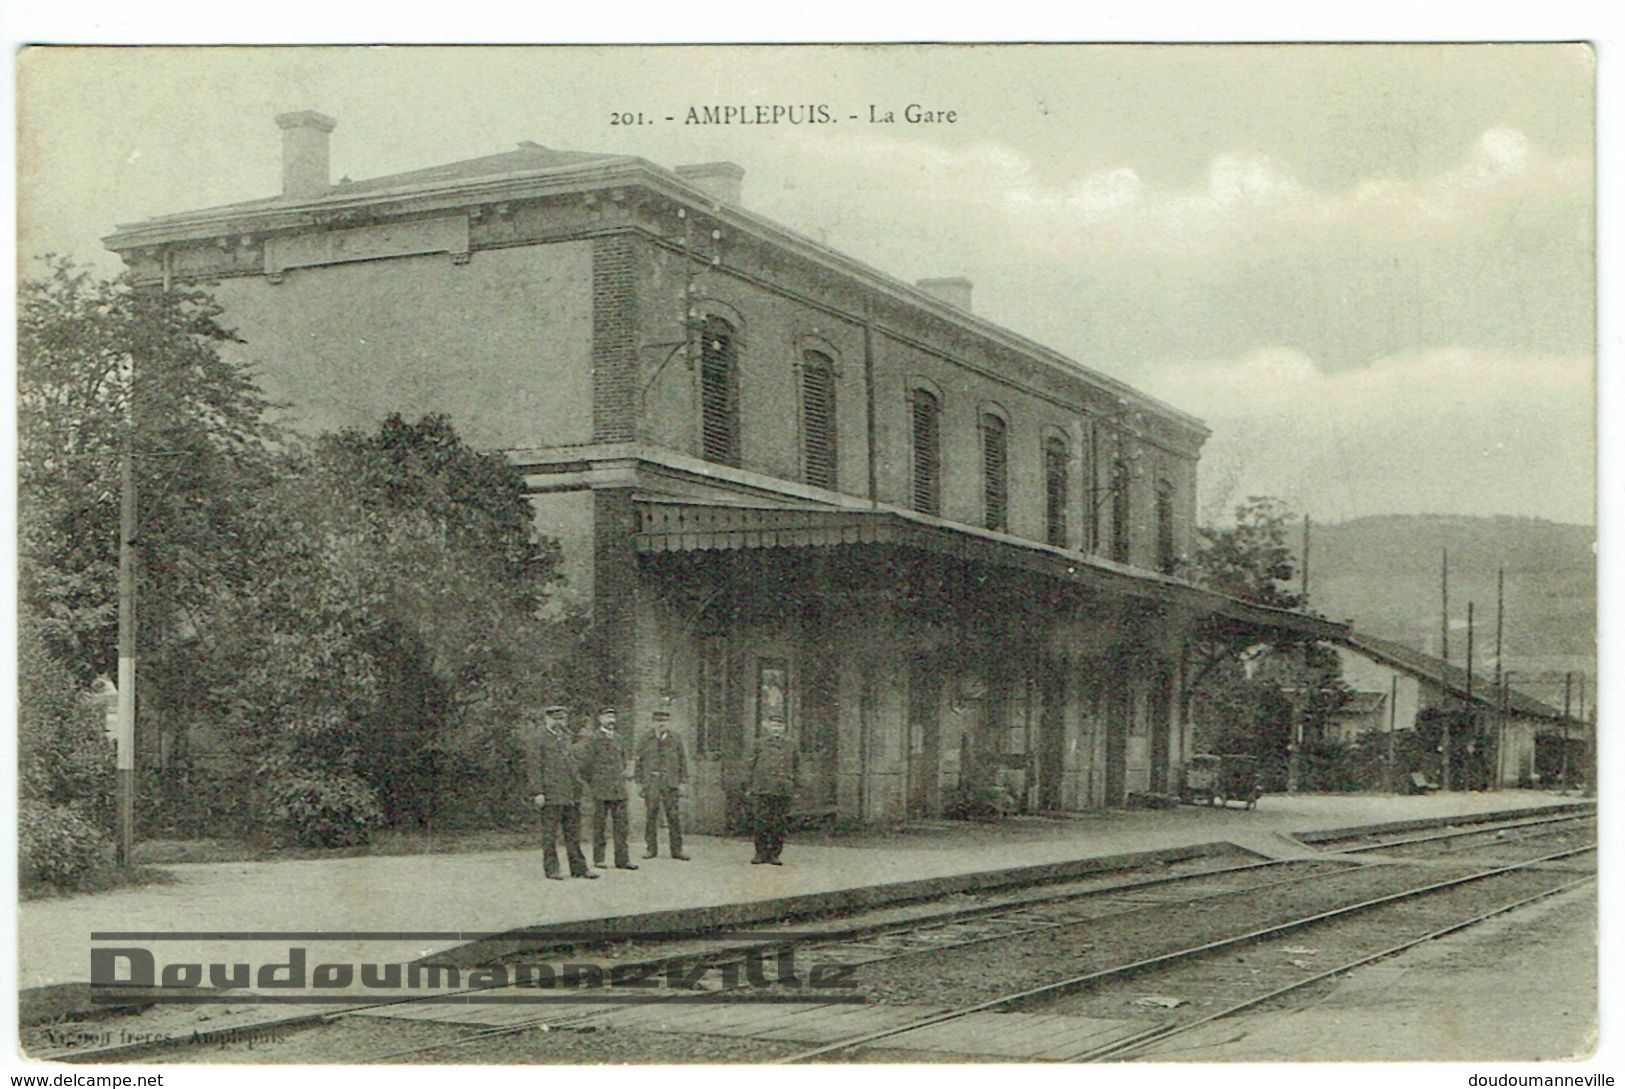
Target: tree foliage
{"x": 102, "y": 363}
{"x": 348, "y": 626}
{"x": 394, "y": 626}
{"x": 1249, "y": 560}
{"x": 1286, "y": 682}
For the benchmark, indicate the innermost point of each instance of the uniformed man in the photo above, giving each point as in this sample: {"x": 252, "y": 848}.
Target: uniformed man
{"x": 662, "y": 770}
{"x": 555, "y": 788}
{"x": 772, "y": 779}
{"x": 604, "y": 770}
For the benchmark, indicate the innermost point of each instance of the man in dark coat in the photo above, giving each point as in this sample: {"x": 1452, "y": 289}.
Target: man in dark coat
{"x": 662, "y": 770}
{"x": 603, "y": 769}
{"x": 555, "y": 788}
{"x": 772, "y": 779}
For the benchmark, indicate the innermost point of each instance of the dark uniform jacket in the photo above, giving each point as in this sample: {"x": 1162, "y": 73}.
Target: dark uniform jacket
{"x": 550, "y": 765}
{"x": 603, "y": 766}
{"x": 662, "y": 763}
{"x": 771, "y": 768}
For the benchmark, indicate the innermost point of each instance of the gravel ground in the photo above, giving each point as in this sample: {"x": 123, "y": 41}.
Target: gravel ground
{"x": 1113, "y": 930}
{"x": 1216, "y": 982}
{"x": 381, "y": 1040}
{"x": 1003, "y": 966}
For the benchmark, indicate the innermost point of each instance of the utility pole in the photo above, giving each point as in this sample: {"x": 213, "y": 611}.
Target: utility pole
{"x": 1590, "y": 724}
{"x": 1568, "y": 684}
{"x": 1472, "y": 712}
{"x": 1444, "y": 669}
{"x": 1305, "y": 602}
{"x": 1500, "y": 613}
{"x": 1393, "y": 710}
{"x": 1500, "y": 679}
{"x": 126, "y": 631}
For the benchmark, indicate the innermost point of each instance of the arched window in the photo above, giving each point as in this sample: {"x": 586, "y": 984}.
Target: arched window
{"x": 995, "y": 472}
{"x": 1056, "y": 460}
{"x": 818, "y": 418}
{"x": 1166, "y": 557}
{"x": 719, "y": 392}
{"x": 1120, "y": 510}
{"x": 926, "y": 411}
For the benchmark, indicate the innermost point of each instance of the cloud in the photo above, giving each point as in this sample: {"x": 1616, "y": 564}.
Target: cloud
{"x": 1446, "y": 430}
{"x": 1241, "y": 197}
{"x": 1249, "y": 197}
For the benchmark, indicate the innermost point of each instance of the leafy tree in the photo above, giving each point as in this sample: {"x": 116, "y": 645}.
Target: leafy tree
{"x": 396, "y": 623}
{"x": 106, "y": 366}
{"x": 1249, "y": 560}
{"x": 1291, "y": 680}
{"x": 100, "y": 362}
{"x": 65, "y": 785}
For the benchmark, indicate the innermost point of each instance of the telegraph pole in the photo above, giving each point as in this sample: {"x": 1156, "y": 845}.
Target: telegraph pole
{"x": 126, "y": 631}
{"x": 1472, "y": 712}
{"x": 1393, "y": 711}
{"x": 1305, "y": 602}
{"x": 1500, "y": 677}
{"x": 1500, "y": 612}
{"x": 1568, "y": 685}
{"x": 1444, "y": 669}
{"x": 1590, "y": 727}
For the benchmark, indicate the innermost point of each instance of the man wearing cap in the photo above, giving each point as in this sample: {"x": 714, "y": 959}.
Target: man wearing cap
{"x": 603, "y": 768}
{"x": 772, "y": 779}
{"x": 555, "y": 788}
{"x": 662, "y": 770}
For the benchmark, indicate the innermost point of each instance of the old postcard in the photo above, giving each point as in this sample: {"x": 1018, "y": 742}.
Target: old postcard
{"x": 780, "y": 555}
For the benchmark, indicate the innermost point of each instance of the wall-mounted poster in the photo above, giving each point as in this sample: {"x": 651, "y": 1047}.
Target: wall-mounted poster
{"x": 772, "y": 690}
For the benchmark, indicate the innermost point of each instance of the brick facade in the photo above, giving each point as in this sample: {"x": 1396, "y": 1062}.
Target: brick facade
{"x": 615, "y": 377}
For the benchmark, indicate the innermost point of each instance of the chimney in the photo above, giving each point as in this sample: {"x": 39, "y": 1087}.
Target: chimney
{"x": 953, "y": 290}
{"x": 304, "y": 153}
{"x": 719, "y": 181}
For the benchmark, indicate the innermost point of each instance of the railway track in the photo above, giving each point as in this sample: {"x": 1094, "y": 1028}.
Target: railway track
{"x": 1010, "y": 914}
{"x": 989, "y": 924}
{"x": 1123, "y": 1047}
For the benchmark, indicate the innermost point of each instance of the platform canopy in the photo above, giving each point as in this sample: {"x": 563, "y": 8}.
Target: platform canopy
{"x": 668, "y": 525}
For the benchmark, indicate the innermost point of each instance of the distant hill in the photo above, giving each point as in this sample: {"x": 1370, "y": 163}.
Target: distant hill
{"x": 1383, "y": 573}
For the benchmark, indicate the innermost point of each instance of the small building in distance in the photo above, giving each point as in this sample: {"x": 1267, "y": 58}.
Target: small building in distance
{"x": 1496, "y": 731}
{"x": 782, "y": 480}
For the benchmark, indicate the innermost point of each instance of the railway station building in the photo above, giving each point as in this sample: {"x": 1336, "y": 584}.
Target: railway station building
{"x": 783, "y": 480}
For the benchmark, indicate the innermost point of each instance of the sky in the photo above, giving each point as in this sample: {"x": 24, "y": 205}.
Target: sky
{"x": 1369, "y": 269}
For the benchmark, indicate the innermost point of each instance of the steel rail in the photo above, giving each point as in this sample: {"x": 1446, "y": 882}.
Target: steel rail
{"x": 718, "y": 957}
{"x": 737, "y": 953}
{"x": 1457, "y": 833}
{"x": 1066, "y": 986}
{"x": 1141, "y": 1041}
{"x": 893, "y": 955}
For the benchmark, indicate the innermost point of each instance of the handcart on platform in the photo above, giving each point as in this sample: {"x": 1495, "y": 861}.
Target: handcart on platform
{"x": 1219, "y": 779}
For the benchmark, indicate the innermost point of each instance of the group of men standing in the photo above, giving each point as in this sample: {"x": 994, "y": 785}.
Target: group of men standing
{"x": 562, "y": 771}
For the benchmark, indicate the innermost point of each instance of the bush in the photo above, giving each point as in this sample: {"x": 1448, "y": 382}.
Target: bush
{"x": 315, "y": 808}
{"x": 977, "y": 803}
{"x": 480, "y": 784}
{"x": 64, "y": 758}
{"x": 57, "y": 845}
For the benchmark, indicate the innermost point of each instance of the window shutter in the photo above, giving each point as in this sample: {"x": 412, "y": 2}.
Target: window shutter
{"x": 927, "y": 424}
{"x": 1165, "y": 527}
{"x": 1120, "y": 511}
{"x": 1055, "y": 489}
{"x": 719, "y": 392}
{"x": 818, "y": 418}
{"x": 995, "y": 473}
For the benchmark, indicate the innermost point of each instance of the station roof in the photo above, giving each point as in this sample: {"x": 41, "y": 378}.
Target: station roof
{"x": 1427, "y": 667}
{"x": 681, "y": 525}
